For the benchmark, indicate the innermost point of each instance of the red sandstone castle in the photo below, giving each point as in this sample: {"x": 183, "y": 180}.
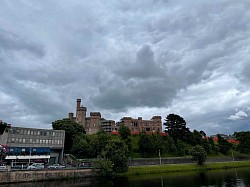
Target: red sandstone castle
{"x": 95, "y": 122}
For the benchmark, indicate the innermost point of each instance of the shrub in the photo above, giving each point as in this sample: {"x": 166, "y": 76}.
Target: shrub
{"x": 198, "y": 154}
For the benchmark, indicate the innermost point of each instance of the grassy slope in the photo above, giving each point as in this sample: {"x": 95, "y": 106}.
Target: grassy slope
{"x": 140, "y": 170}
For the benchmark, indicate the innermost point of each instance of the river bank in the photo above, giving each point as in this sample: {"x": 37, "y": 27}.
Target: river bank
{"x": 170, "y": 168}
{"x": 45, "y": 175}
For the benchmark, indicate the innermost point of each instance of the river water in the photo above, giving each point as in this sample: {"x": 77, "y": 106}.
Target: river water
{"x": 225, "y": 178}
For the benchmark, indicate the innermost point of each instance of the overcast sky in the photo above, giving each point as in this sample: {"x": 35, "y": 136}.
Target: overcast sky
{"x": 126, "y": 58}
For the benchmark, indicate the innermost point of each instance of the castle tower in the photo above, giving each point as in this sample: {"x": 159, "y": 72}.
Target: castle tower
{"x": 94, "y": 122}
{"x": 71, "y": 116}
{"x": 80, "y": 113}
{"x": 78, "y": 104}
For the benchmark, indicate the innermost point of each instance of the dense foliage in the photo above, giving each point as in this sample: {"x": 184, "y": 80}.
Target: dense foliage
{"x": 223, "y": 144}
{"x": 124, "y": 132}
{"x": 117, "y": 152}
{"x": 198, "y": 154}
{"x": 90, "y": 146}
{"x": 175, "y": 126}
{"x": 244, "y": 139}
{"x": 72, "y": 130}
{"x": 3, "y": 127}
{"x": 125, "y": 135}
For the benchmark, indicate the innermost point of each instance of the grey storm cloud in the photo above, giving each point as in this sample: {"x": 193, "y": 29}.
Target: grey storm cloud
{"x": 125, "y": 58}
{"x": 12, "y": 42}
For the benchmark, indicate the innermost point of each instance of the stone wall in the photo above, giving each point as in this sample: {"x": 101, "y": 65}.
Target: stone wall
{"x": 28, "y": 176}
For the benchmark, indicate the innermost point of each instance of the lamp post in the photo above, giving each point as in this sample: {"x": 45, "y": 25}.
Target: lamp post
{"x": 160, "y": 155}
{"x": 232, "y": 154}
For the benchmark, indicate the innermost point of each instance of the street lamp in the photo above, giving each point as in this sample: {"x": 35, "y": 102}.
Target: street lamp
{"x": 160, "y": 155}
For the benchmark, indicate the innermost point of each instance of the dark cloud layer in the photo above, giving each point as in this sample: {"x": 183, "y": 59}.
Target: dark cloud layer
{"x": 136, "y": 58}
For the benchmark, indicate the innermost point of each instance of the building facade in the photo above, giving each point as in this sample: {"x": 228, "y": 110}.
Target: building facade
{"x": 95, "y": 122}
{"x": 28, "y": 145}
{"x": 138, "y": 125}
{"x": 91, "y": 123}
{"x": 108, "y": 126}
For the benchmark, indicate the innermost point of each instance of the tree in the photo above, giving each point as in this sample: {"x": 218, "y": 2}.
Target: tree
{"x": 198, "y": 154}
{"x": 81, "y": 147}
{"x": 117, "y": 152}
{"x": 175, "y": 126}
{"x": 223, "y": 144}
{"x": 105, "y": 165}
{"x": 150, "y": 144}
{"x": 124, "y": 132}
{"x": 146, "y": 145}
{"x": 180, "y": 148}
{"x": 169, "y": 145}
{"x": 244, "y": 141}
{"x": 4, "y": 127}
{"x": 125, "y": 135}
{"x": 90, "y": 146}
{"x": 72, "y": 129}
{"x": 205, "y": 144}
{"x": 157, "y": 142}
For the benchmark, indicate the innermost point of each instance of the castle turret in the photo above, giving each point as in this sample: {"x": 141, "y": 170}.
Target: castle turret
{"x": 78, "y": 104}
{"x": 80, "y": 113}
{"x": 71, "y": 116}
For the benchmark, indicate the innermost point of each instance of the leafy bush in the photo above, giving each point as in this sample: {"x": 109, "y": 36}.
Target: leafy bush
{"x": 198, "y": 154}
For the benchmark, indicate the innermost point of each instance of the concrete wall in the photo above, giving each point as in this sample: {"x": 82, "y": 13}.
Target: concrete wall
{"x": 28, "y": 176}
{"x": 157, "y": 161}
{"x": 179, "y": 160}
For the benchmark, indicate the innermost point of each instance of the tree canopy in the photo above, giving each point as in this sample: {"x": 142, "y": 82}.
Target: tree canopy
{"x": 244, "y": 141}
{"x": 223, "y": 144}
{"x": 175, "y": 126}
{"x": 117, "y": 152}
{"x": 150, "y": 144}
{"x": 198, "y": 154}
{"x": 72, "y": 129}
{"x": 3, "y": 127}
{"x": 124, "y": 132}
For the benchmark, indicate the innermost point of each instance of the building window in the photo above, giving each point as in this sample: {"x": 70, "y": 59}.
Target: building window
{"x": 28, "y": 132}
